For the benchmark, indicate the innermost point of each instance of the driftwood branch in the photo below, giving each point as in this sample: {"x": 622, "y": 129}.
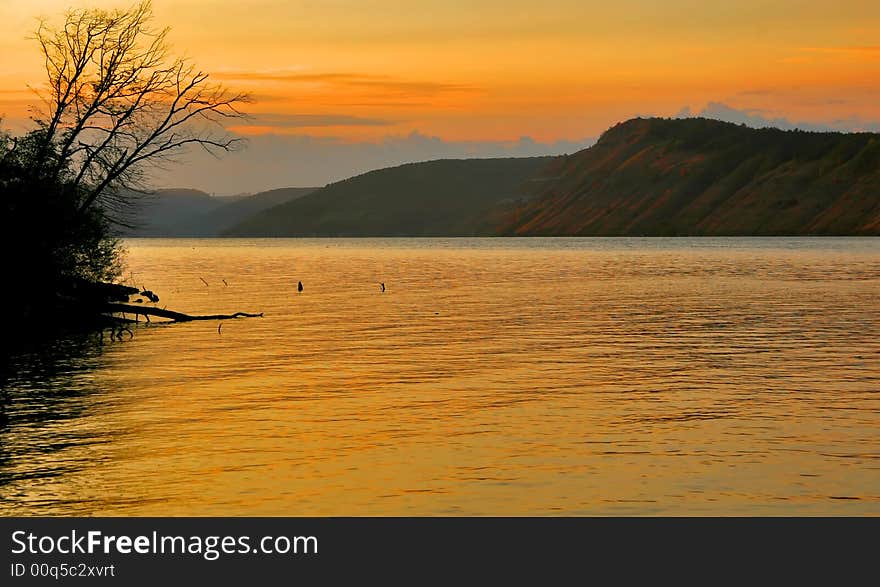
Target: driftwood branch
{"x": 174, "y": 316}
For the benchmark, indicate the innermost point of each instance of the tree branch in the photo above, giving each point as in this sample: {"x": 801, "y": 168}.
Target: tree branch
{"x": 174, "y": 316}
{"x": 116, "y": 102}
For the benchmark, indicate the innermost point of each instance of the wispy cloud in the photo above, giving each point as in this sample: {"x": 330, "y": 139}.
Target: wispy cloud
{"x": 791, "y": 93}
{"x": 350, "y": 80}
{"x": 759, "y": 92}
{"x": 758, "y": 118}
{"x": 288, "y": 121}
{"x": 814, "y": 55}
{"x": 852, "y": 50}
{"x": 282, "y": 76}
{"x": 277, "y": 159}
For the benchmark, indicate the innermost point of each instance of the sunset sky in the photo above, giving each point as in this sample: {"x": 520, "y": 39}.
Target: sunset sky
{"x": 487, "y": 72}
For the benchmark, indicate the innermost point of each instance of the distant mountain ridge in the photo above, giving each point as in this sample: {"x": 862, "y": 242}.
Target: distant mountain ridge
{"x": 659, "y": 177}
{"x": 644, "y": 177}
{"x": 193, "y": 213}
{"x": 446, "y": 197}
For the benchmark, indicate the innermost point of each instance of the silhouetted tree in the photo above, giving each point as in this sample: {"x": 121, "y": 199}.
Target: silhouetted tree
{"x": 115, "y": 104}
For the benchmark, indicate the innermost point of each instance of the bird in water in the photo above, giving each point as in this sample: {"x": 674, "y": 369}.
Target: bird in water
{"x": 382, "y": 286}
{"x": 299, "y": 286}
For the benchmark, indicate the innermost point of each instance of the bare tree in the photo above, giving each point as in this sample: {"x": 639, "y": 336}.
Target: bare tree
{"x": 116, "y": 103}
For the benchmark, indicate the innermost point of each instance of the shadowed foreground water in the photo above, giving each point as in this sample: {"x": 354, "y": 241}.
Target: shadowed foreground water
{"x": 520, "y": 376}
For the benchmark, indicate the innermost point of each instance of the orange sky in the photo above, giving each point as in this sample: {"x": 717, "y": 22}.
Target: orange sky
{"x": 501, "y": 69}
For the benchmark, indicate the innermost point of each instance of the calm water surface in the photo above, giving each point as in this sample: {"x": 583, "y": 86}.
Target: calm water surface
{"x": 520, "y": 376}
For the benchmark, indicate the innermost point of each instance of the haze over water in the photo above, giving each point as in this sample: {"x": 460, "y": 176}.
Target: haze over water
{"x": 493, "y": 376}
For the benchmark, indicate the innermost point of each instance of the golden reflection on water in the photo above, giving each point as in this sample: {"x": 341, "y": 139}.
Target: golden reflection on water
{"x": 561, "y": 376}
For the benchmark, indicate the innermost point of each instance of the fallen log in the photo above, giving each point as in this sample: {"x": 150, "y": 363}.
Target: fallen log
{"x": 171, "y": 315}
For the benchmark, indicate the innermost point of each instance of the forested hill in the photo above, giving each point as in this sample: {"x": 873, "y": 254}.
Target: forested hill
{"x": 705, "y": 177}
{"x": 449, "y": 197}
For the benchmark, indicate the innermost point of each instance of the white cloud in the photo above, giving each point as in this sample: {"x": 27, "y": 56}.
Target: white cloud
{"x": 758, "y": 119}
{"x": 271, "y": 161}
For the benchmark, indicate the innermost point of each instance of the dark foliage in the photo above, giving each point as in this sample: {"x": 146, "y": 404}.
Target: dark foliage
{"x": 48, "y": 242}
{"x": 114, "y": 104}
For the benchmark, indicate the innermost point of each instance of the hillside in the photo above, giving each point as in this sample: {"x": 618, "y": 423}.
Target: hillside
{"x": 450, "y": 197}
{"x": 218, "y": 220}
{"x": 705, "y": 177}
{"x": 193, "y": 213}
{"x": 157, "y": 211}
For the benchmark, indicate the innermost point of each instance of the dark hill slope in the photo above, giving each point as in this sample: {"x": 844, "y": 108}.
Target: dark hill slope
{"x": 705, "y": 177}
{"x": 156, "y": 212}
{"x": 450, "y": 197}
